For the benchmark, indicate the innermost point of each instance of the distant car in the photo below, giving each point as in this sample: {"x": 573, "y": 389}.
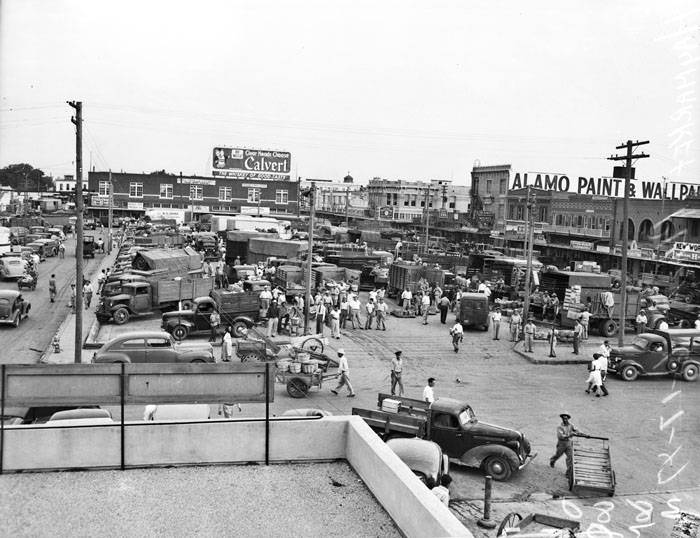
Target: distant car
{"x": 424, "y": 458}
{"x": 80, "y": 417}
{"x": 152, "y": 347}
{"x": 12, "y": 267}
{"x": 38, "y": 415}
{"x": 13, "y": 307}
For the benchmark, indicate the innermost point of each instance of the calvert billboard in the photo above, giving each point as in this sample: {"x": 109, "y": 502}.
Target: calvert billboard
{"x": 251, "y": 163}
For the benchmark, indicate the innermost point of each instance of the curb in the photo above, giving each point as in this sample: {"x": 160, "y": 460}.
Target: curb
{"x": 546, "y": 360}
{"x": 90, "y": 340}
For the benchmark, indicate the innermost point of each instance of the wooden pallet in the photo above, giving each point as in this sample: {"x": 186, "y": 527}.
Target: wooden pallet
{"x": 592, "y": 469}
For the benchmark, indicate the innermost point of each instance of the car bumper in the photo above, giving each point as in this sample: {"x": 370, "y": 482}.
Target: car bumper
{"x": 528, "y": 460}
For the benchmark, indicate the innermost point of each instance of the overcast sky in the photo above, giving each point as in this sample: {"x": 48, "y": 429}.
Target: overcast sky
{"x": 400, "y": 90}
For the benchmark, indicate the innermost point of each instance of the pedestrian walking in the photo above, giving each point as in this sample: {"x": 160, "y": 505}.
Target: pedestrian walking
{"x": 529, "y": 331}
{"x": 396, "y": 373}
{"x": 344, "y": 371}
{"x": 457, "y": 334}
{"x": 437, "y": 294}
{"x": 428, "y": 392}
{"x": 380, "y": 313}
{"x": 578, "y": 331}
{"x": 52, "y": 288}
{"x": 101, "y": 279}
{"x": 425, "y": 307}
{"x": 214, "y": 322}
{"x": 272, "y": 319}
{"x": 61, "y": 250}
{"x": 641, "y": 322}
{"x": 553, "y": 333}
{"x": 565, "y": 432}
{"x": 444, "y": 306}
{"x": 406, "y": 299}
{"x": 87, "y": 294}
{"x": 335, "y": 322}
{"x": 496, "y": 322}
{"x": 514, "y": 325}
{"x": 227, "y": 345}
{"x": 598, "y": 373}
{"x": 370, "y": 309}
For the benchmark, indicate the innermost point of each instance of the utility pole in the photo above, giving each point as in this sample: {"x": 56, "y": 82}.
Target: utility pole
{"x": 625, "y": 226}
{"x": 309, "y": 257}
{"x": 110, "y": 213}
{"x": 427, "y": 219}
{"x": 26, "y": 195}
{"x": 530, "y": 236}
{"x": 77, "y": 120}
{"x": 347, "y": 207}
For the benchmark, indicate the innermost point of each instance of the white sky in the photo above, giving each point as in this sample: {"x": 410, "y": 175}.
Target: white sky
{"x": 396, "y": 89}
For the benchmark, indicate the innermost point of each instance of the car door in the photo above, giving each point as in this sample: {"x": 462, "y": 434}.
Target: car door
{"x": 134, "y": 348}
{"x": 142, "y": 299}
{"x": 201, "y": 316}
{"x": 446, "y": 432}
{"x": 160, "y": 349}
{"x": 655, "y": 357}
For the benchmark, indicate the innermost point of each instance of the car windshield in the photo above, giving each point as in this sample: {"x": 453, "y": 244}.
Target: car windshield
{"x": 640, "y": 343}
{"x": 466, "y": 416}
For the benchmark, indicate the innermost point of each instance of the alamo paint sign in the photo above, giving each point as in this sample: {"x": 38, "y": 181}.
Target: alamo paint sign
{"x": 606, "y": 186}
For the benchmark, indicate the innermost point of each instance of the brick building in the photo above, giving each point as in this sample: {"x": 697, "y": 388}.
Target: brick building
{"x": 136, "y": 193}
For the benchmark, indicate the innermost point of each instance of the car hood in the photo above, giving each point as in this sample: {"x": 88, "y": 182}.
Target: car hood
{"x": 5, "y": 310}
{"x": 484, "y": 429}
{"x": 627, "y": 351}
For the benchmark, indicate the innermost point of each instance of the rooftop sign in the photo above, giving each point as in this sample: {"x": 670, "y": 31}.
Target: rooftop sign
{"x": 251, "y": 163}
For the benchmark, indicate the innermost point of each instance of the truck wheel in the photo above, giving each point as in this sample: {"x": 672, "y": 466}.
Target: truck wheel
{"x": 629, "y": 373}
{"x": 297, "y": 388}
{"x": 498, "y": 467}
{"x": 690, "y": 372}
{"x": 121, "y": 316}
{"x": 608, "y": 328}
{"x": 251, "y": 357}
{"x": 179, "y": 332}
{"x": 238, "y": 328}
{"x": 197, "y": 361}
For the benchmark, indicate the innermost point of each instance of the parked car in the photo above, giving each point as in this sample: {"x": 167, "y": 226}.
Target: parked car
{"x": 80, "y": 417}
{"x": 12, "y": 267}
{"x": 38, "y": 415}
{"x": 13, "y": 307}
{"x": 424, "y": 458}
{"x": 474, "y": 310}
{"x": 151, "y": 347}
{"x": 673, "y": 352}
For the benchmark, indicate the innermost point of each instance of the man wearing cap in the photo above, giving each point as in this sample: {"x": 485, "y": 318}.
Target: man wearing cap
{"x": 578, "y": 332}
{"x": 565, "y": 432}
{"x": 396, "y": 371}
{"x": 344, "y": 371}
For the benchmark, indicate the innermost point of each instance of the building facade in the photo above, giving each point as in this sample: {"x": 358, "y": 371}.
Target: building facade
{"x": 406, "y": 201}
{"x": 489, "y": 193}
{"x": 68, "y": 184}
{"x": 335, "y": 196}
{"x": 133, "y": 194}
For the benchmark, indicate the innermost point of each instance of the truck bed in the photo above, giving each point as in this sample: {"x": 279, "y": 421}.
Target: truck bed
{"x": 388, "y": 423}
{"x": 169, "y": 291}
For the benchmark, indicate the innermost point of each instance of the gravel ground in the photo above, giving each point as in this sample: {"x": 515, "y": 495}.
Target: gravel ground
{"x": 279, "y": 500}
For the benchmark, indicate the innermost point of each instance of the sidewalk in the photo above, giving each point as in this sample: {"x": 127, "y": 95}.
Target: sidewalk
{"x": 66, "y": 331}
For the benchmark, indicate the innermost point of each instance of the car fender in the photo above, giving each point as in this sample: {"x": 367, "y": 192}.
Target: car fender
{"x": 114, "y": 356}
{"x": 118, "y": 306}
{"x": 174, "y": 322}
{"x": 685, "y": 361}
{"x": 476, "y": 456}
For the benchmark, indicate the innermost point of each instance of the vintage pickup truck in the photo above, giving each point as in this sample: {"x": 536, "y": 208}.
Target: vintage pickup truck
{"x": 453, "y": 425}
{"x": 673, "y": 352}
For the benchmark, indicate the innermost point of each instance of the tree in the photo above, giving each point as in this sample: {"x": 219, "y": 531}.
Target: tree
{"x": 23, "y": 177}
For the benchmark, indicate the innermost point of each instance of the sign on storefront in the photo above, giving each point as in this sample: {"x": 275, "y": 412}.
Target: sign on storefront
{"x": 581, "y": 245}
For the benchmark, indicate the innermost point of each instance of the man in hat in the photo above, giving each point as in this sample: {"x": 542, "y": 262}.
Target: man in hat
{"x": 344, "y": 371}
{"x": 529, "y": 332}
{"x": 565, "y": 432}
{"x": 641, "y": 322}
{"x": 396, "y": 371}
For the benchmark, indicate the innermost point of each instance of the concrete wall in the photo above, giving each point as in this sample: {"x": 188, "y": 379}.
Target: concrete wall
{"x": 416, "y": 511}
{"x": 412, "y": 506}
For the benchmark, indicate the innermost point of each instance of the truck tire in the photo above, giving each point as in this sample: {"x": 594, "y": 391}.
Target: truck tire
{"x": 179, "y": 332}
{"x": 238, "y": 327}
{"x": 684, "y": 324}
{"x": 608, "y": 328}
{"x": 497, "y": 467}
{"x": 629, "y": 373}
{"x": 690, "y": 372}
{"x": 121, "y": 316}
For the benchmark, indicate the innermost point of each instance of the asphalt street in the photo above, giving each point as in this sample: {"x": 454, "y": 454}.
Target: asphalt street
{"x": 25, "y": 344}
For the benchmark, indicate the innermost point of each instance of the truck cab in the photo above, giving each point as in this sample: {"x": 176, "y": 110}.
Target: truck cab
{"x": 134, "y": 299}
{"x": 196, "y": 320}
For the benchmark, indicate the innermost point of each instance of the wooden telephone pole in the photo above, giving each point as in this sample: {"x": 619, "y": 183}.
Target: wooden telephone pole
{"x": 77, "y": 120}
{"x": 629, "y": 146}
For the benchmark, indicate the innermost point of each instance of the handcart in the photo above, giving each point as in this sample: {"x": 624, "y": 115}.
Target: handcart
{"x": 592, "y": 471}
{"x": 309, "y": 369}
{"x": 28, "y": 280}
{"x": 259, "y": 347}
{"x": 537, "y": 525}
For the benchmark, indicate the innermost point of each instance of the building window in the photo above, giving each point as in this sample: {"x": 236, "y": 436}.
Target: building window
{"x": 502, "y": 186}
{"x": 196, "y": 192}
{"x": 166, "y": 190}
{"x": 135, "y": 190}
{"x": 225, "y": 194}
{"x": 254, "y": 195}
{"x": 452, "y": 205}
{"x": 282, "y": 197}
{"x": 489, "y": 186}
{"x": 103, "y": 188}
{"x": 388, "y": 199}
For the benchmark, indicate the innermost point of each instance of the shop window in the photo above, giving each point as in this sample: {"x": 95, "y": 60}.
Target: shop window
{"x": 135, "y": 190}
{"x": 282, "y": 197}
{"x": 166, "y": 190}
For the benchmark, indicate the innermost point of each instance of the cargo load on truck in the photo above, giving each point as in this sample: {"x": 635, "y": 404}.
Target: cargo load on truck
{"x": 176, "y": 261}
{"x": 262, "y": 248}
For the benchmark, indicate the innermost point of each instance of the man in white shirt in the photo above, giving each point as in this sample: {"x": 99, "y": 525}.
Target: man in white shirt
{"x": 697, "y": 322}
{"x": 370, "y": 308}
{"x": 380, "y": 313}
{"x": 457, "y": 333}
{"x": 428, "y": 394}
{"x": 496, "y": 320}
{"x": 396, "y": 373}
{"x": 373, "y": 295}
{"x": 406, "y": 298}
{"x": 344, "y": 378}
{"x": 354, "y": 306}
{"x": 483, "y": 288}
{"x": 442, "y": 491}
{"x": 425, "y": 307}
{"x": 265, "y": 299}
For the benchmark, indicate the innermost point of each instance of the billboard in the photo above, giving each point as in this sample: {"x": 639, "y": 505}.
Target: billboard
{"x": 251, "y": 163}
